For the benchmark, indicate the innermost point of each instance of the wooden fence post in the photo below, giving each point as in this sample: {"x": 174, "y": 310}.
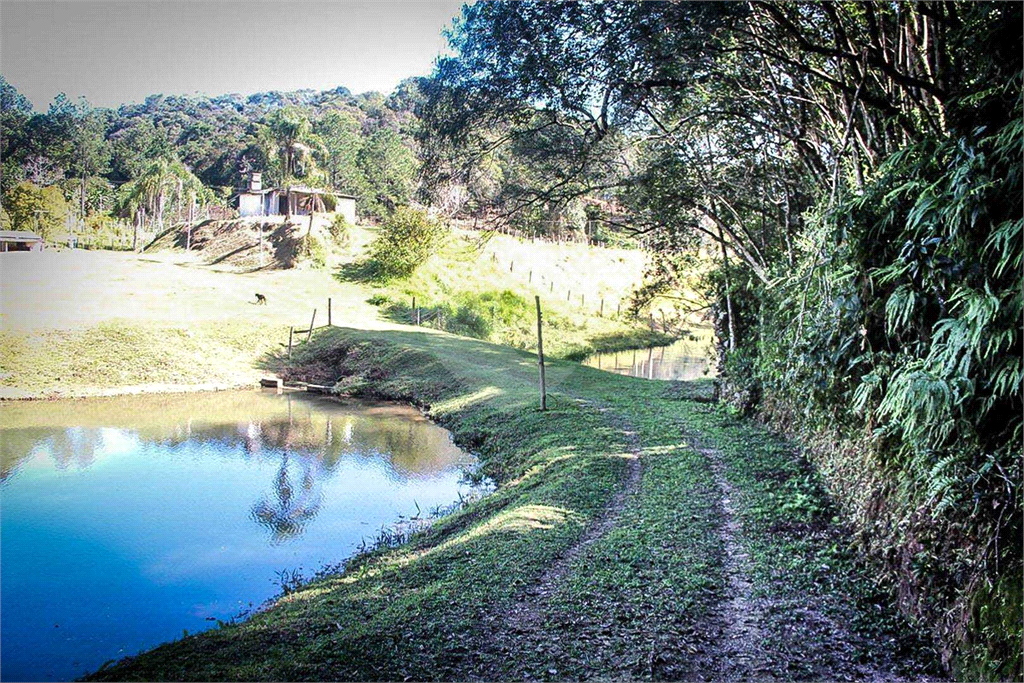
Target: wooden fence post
{"x": 416, "y": 310}
{"x": 531, "y": 275}
{"x": 511, "y": 266}
{"x": 291, "y": 332}
{"x": 309, "y": 333}
{"x": 540, "y": 358}
{"x": 602, "y": 307}
{"x": 568, "y": 295}
{"x": 552, "y": 287}
{"x": 328, "y": 311}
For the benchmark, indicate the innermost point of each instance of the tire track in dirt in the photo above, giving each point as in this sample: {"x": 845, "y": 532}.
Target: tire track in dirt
{"x": 524, "y": 619}
{"x": 739, "y": 656}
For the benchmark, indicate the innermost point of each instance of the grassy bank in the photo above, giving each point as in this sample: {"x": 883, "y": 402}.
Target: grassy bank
{"x": 631, "y": 531}
{"x": 126, "y": 357}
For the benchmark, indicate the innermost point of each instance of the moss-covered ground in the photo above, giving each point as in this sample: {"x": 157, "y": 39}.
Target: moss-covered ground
{"x": 636, "y": 533}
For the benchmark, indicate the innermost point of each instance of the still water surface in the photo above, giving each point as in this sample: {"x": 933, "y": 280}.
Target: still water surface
{"x": 686, "y": 359}
{"x": 125, "y": 522}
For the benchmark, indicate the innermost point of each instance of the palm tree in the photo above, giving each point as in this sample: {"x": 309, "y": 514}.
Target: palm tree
{"x": 289, "y": 132}
{"x": 165, "y": 182}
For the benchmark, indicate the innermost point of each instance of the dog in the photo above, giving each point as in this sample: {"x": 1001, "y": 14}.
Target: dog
{"x": 260, "y": 299}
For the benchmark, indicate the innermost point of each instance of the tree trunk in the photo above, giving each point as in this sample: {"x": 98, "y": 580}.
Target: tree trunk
{"x": 81, "y": 210}
{"x": 728, "y": 293}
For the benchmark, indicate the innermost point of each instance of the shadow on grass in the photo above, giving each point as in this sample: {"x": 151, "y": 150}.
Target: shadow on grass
{"x": 358, "y": 271}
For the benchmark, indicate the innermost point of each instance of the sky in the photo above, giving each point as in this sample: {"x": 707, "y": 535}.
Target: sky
{"x": 119, "y": 52}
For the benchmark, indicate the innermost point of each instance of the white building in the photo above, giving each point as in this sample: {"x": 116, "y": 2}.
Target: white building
{"x": 259, "y": 201}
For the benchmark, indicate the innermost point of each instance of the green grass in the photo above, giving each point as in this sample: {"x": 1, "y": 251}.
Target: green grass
{"x": 473, "y": 287}
{"x": 117, "y": 355}
{"x": 138, "y": 320}
{"x": 641, "y": 601}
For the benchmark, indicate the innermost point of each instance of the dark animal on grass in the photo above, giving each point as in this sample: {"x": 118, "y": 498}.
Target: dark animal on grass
{"x": 260, "y": 299}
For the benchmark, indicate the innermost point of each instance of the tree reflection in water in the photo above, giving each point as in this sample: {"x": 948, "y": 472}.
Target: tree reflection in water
{"x": 301, "y": 435}
{"x": 294, "y": 503}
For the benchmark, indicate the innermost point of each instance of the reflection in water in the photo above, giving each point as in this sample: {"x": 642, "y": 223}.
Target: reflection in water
{"x": 293, "y": 505}
{"x": 126, "y": 520}
{"x": 687, "y": 359}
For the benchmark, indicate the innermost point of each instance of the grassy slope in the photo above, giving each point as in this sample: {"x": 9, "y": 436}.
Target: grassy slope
{"x": 485, "y": 283}
{"x": 77, "y": 323}
{"x": 644, "y": 600}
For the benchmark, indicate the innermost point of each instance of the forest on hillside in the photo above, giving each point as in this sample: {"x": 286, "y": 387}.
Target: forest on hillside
{"x": 848, "y": 175}
{"x": 93, "y": 171}
{"x": 97, "y": 166}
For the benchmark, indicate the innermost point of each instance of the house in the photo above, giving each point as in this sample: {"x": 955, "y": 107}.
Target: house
{"x": 20, "y": 240}
{"x": 255, "y": 200}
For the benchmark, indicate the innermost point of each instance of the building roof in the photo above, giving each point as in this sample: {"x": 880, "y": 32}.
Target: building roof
{"x": 19, "y": 236}
{"x": 301, "y": 189}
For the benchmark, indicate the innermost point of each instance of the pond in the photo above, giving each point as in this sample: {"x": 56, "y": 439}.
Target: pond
{"x": 687, "y": 359}
{"x": 126, "y": 522}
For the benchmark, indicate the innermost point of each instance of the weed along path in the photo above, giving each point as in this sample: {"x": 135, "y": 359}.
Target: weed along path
{"x": 634, "y": 534}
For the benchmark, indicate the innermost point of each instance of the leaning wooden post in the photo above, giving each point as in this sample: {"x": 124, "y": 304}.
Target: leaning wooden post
{"x": 312, "y": 320}
{"x": 540, "y": 358}
{"x": 291, "y": 333}
{"x": 511, "y": 266}
{"x": 328, "y": 311}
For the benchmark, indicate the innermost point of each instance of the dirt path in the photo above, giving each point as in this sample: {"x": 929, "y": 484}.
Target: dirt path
{"x": 523, "y": 624}
{"x": 738, "y": 656}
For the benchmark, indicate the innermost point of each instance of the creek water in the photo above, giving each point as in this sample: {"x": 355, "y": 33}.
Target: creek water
{"x": 687, "y": 359}
{"x": 126, "y": 522}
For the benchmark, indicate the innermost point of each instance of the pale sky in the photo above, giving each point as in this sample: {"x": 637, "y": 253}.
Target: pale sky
{"x": 121, "y": 51}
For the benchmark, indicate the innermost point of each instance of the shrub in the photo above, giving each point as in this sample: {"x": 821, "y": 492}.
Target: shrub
{"x": 407, "y": 239}
{"x": 314, "y": 251}
{"x": 340, "y": 229}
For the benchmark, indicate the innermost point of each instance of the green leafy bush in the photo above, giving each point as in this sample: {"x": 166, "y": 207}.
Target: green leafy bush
{"x": 902, "y": 351}
{"x": 314, "y": 251}
{"x": 340, "y": 229}
{"x": 407, "y": 239}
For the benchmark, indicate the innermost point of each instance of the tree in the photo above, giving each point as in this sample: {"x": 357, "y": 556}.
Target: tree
{"x": 36, "y": 209}
{"x": 849, "y": 166}
{"x": 390, "y": 168}
{"x": 81, "y": 143}
{"x": 289, "y": 131}
{"x": 134, "y": 146}
{"x": 341, "y": 138}
{"x": 165, "y": 184}
{"x": 15, "y": 113}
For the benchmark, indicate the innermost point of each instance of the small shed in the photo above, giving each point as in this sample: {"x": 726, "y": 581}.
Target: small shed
{"x": 256, "y": 200}
{"x": 20, "y": 240}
